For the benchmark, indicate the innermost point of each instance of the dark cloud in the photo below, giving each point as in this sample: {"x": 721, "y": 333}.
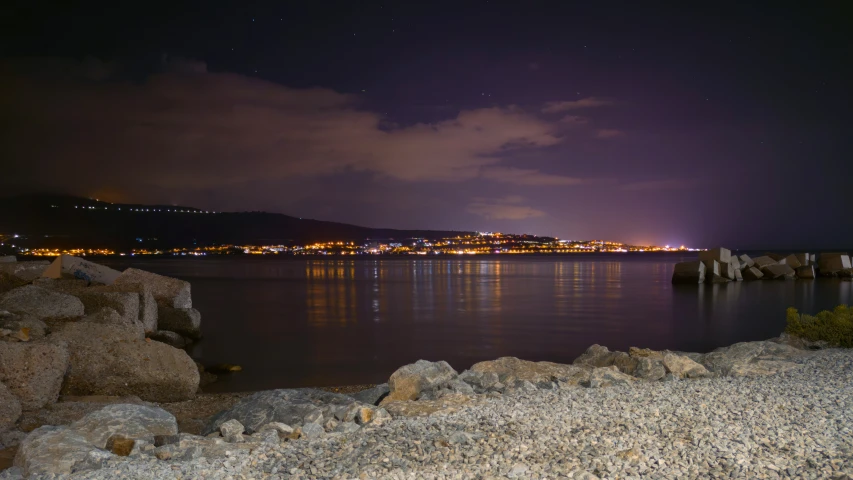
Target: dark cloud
{"x": 507, "y": 208}
{"x": 189, "y": 129}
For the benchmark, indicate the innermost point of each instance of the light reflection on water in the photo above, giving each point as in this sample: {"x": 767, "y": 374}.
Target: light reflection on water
{"x": 299, "y": 322}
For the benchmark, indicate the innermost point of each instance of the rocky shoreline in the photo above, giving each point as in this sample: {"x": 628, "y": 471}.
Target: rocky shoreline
{"x": 86, "y": 392}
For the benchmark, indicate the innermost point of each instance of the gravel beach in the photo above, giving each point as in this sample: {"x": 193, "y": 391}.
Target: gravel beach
{"x": 795, "y": 424}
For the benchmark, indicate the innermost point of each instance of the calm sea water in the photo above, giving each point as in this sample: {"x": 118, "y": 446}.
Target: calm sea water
{"x": 293, "y": 322}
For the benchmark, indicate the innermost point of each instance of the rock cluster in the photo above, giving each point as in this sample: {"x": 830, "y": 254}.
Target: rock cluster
{"x": 64, "y": 332}
{"x": 737, "y": 412}
{"x": 719, "y": 265}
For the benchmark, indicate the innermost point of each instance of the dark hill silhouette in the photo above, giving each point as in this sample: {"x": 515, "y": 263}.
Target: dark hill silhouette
{"x": 66, "y": 221}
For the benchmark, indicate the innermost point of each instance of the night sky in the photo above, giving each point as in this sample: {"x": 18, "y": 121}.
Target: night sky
{"x": 726, "y": 125}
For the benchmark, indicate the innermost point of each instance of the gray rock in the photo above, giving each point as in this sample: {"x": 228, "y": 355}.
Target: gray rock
{"x": 79, "y": 446}
{"x": 752, "y": 273}
{"x": 282, "y": 430}
{"x": 511, "y": 369}
{"x": 347, "y": 427}
{"x": 735, "y": 263}
{"x": 125, "y": 303}
{"x": 452, "y": 386}
{"x": 112, "y": 360}
{"x": 609, "y": 376}
{"x": 727, "y": 270}
{"x": 372, "y": 396}
{"x": 689, "y": 272}
{"x": 481, "y": 382}
{"x": 738, "y": 276}
{"x": 185, "y": 321}
{"x": 33, "y": 371}
{"x": 779, "y": 272}
{"x": 170, "y": 292}
{"x": 232, "y": 431}
{"x": 11, "y": 438}
{"x": 683, "y": 367}
{"x": 128, "y": 420}
{"x": 41, "y": 303}
{"x": 753, "y": 359}
{"x": 10, "y": 408}
{"x": 169, "y": 338}
{"x": 598, "y": 356}
{"x": 21, "y": 328}
{"x": 266, "y": 436}
{"x": 411, "y": 381}
{"x": 311, "y": 431}
{"x": 63, "y": 285}
{"x": 108, "y": 316}
{"x": 800, "y": 343}
{"x": 650, "y": 369}
{"x": 148, "y": 309}
{"x": 82, "y": 269}
{"x": 53, "y": 450}
{"x": 292, "y": 407}
{"x": 17, "y": 274}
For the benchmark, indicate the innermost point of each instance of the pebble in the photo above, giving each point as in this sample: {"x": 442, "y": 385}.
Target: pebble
{"x": 796, "y": 424}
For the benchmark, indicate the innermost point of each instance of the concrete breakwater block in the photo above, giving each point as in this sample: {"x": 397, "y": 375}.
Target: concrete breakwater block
{"x": 689, "y": 272}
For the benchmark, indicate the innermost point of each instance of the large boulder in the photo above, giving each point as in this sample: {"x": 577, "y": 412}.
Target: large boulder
{"x": 650, "y": 368}
{"x": 721, "y": 255}
{"x": 779, "y": 272}
{"x": 80, "y": 446}
{"x": 129, "y": 420}
{"x": 16, "y": 274}
{"x": 295, "y": 407}
{"x": 186, "y": 321}
{"x": 125, "y": 303}
{"x": 804, "y": 259}
{"x": 372, "y": 396}
{"x": 689, "y": 272}
{"x": 683, "y": 367}
{"x": 20, "y": 327}
{"x": 41, "y": 303}
{"x": 67, "y": 265}
{"x": 148, "y": 309}
{"x": 10, "y": 408}
{"x": 752, "y": 273}
{"x": 608, "y": 377}
{"x": 168, "y": 291}
{"x": 33, "y": 371}
{"x": 50, "y": 450}
{"x": 411, "y": 381}
{"x": 113, "y": 360}
{"x": 831, "y": 263}
{"x": 108, "y": 316}
{"x": 599, "y": 356}
{"x": 752, "y": 359}
{"x": 510, "y": 370}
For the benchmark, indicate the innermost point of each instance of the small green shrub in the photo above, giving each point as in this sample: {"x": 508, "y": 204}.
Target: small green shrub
{"x": 835, "y": 327}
